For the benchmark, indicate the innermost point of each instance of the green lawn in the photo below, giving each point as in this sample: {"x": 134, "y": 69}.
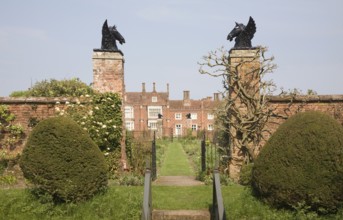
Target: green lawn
{"x": 181, "y": 197}
{"x": 124, "y": 203}
{"x": 119, "y": 202}
{"x": 175, "y": 162}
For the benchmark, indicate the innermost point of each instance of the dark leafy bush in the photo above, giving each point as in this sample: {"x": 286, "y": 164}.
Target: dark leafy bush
{"x": 302, "y": 164}
{"x": 61, "y": 160}
{"x": 245, "y": 174}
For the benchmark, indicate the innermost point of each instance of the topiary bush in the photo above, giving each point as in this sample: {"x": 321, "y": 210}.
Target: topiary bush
{"x": 61, "y": 159}
{"x": 302, "y": 164}
{"x": 245, "y": 174}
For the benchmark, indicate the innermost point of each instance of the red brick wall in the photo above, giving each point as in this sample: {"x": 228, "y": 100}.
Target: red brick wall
{"x": 26, "y": 108}
{"x": 40, "y": 108}
{"x": 31, "y": 108}
{"x": 329, "y": 104}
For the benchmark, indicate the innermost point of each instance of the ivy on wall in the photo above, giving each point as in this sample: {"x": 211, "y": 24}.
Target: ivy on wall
{"x": 10, "y": 133}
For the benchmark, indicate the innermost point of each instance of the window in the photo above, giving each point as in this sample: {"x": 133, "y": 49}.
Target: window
{"x": 153, "y": 111}
{"x": 130, "y": 125}
{"x": 210, "y": 127}
{"x": 152, "y": 124}
{"x": 154, "y": 99}
{"x": 210, "y": 116}
{"x": 178, "y": 116}
{"x": 178, "y": 130}
{"x": 194, "y": 115}
{"x": 194, "y": 127}
{"x": 128, "y": 112}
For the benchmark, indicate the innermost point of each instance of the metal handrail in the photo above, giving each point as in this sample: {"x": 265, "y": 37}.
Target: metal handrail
{"x": 146, "y": 209}
{"x": 218, "y": 210}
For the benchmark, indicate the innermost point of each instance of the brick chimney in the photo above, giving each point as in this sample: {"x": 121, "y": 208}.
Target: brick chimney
{"x": 185, "y": 95}
{"x": 143, "y": 88}
{"x": 216, "y": 96}
{"x": 153, "y": 87}
{"x": 186, "y": 100}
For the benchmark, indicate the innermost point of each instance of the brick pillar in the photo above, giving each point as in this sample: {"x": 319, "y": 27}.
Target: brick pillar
{"x": 108, "y": 71}
{"x": 108, "y": 76}
{"x": 245, "y": 63}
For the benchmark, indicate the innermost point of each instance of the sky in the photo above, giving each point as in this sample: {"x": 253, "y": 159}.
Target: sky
{"x": 165, "y": 40}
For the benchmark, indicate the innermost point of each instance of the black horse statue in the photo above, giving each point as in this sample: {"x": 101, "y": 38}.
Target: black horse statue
{"x": 243, "y": 34}
{"x": 109, "y": 37}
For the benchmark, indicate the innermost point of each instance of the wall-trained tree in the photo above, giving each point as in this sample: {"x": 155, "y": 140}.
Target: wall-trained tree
{"x": 62, "y": 160}
{"x": 301, "y": 165}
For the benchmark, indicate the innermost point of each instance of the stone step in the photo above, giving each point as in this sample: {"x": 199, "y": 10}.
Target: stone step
{"x": 181, "y": 215}
{"x": 177, "y": 181}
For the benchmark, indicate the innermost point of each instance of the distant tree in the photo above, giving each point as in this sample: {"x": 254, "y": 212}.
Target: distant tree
{"x": 20, "y": 94}
{"x": 295, "y": 92}
{"x": 56, "y": 88}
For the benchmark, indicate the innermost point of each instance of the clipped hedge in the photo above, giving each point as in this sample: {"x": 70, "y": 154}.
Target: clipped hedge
{"x": 301, "y": 165}
{"x": 61, "y": 159}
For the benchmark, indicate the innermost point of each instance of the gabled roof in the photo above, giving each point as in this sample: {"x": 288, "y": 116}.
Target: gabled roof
{"x": 193, "y": 104}
{"x": 145, "y": 98}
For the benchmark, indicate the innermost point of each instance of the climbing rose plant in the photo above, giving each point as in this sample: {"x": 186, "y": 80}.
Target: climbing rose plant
{"x": 100, "y": 115}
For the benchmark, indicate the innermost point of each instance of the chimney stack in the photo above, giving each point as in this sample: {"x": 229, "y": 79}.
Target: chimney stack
{"x": 143, "y": 88}
{"x": 168, "y": 88}
{"x": 216, "y": 96}
{"x": 185, "y": 95}
{"x": 153, "y": 87}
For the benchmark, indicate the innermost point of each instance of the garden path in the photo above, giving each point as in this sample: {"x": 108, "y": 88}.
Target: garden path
{"x": 176, "y": 169}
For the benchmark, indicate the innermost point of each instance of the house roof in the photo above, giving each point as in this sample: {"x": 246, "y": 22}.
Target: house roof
{"x": 145, "y": 98}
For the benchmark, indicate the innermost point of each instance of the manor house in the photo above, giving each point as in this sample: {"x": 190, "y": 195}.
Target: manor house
{"x": 154, "y": 111}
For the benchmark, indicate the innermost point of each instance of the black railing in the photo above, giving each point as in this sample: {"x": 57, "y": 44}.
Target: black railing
{"x": 147, "y": 199}
{"x": 203, "y": 153}
{"x": 218, "y": 210}
{"x": 153, "y": 158}
{"x": 150, "y": 174}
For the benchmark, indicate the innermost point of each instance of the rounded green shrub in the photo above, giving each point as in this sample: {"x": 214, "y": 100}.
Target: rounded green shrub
{"x": 245, "y": 174}
{"x": 301, "y": 165}
{"x": 61, "y": 159}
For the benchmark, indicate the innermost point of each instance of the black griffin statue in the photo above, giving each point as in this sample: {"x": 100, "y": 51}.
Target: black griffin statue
{"x": 109, "y": 37}
{"x": 243, "y": 34}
